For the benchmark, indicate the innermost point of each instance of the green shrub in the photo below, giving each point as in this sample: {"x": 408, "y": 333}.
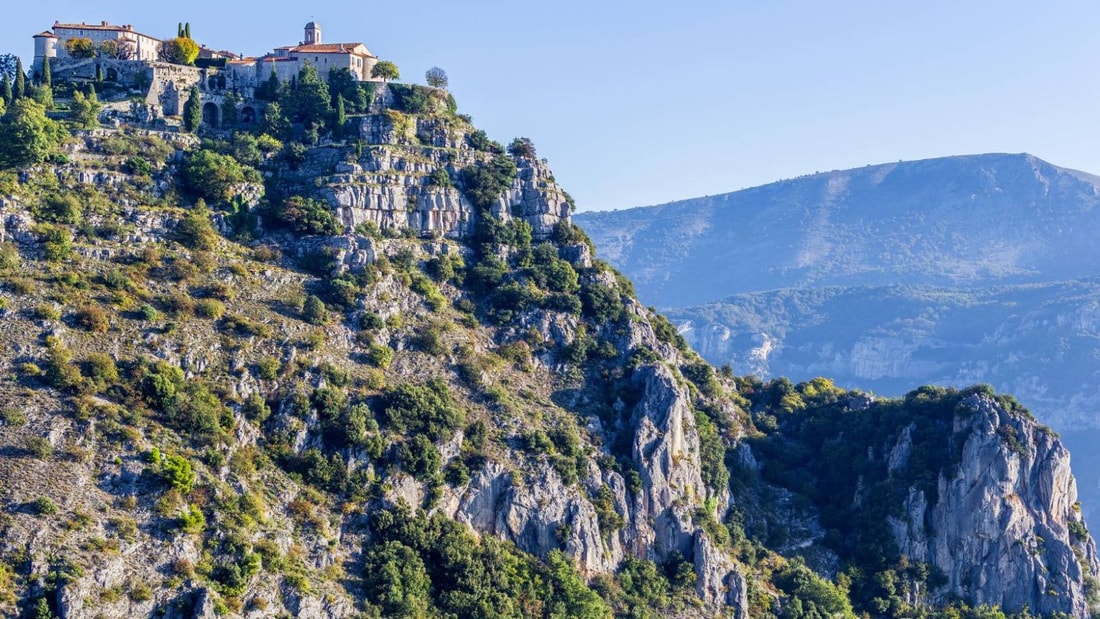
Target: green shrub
{"x": 138, "y": 166}
{"x": 101, "y": 368}
{"x": 9, "y": 257}
{"x": 479, "y": 140}
{"x": 178, "y": 304}
{"x": 380, "y": 356}
{"x": 439, "y": 178}
{"x": 39, "y": 447}
{"x": 192, "y": 520}
{"x": 601, "y": 303}
{"x": 456, "y": 473}
{"x": 199, "y": 412}
{"x": 196, "y": 231}
{"x": 46, "y": 312}
{"x": 430, "y": 340}
{"x": 12, "y": 418}
{"x": 175, "y": 470}
{"x": 61, "y": 372}
{"x": 421, "y": 409}
{"x": 210, "y": 308}
{"x": 57, "y": 242}
{"x": 306, "y": 216}
{"x": 419, "y": 457}
{"x": 61, "y": 209}
{"x": 371, "y": 321}
{"x": 44, "y": 506}
{"x": 268, "y": 368}
{"x": 485, "y": 182}
{"x": 255, "y": 408}
{"x": 314, "y": 311}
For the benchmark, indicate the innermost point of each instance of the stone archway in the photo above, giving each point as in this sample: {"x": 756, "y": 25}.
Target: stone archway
{"x": 210, "y": 114}
{"x": 248, "y": 115}
{"x": 112, "y": 75}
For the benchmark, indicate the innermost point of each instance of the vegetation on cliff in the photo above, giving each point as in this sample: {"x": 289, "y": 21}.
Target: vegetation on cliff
{"x": 222, "y": 394}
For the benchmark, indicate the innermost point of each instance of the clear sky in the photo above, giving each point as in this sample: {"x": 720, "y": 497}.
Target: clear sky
{"x": 644, "y": 102}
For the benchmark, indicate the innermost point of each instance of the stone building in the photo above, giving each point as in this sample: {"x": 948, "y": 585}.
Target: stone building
{"x": 286, "y": 61}
{"x": 127, "y": 43}
{"x": 132, "y": 64}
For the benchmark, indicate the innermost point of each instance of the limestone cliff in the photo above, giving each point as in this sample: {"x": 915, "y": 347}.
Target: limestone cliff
{"x": 1004, "y": 528}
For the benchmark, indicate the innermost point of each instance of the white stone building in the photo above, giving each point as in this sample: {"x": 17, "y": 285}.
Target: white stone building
{"x": 288, "y": 60}
{"x": 133, "y": 45}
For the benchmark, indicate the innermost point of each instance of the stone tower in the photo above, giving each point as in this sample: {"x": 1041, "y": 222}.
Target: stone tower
{"x": 45, "y": 46}
{"x": 313, "y": 33}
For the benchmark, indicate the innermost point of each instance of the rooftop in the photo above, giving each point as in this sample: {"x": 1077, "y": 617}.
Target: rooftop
{"x": 103, "y": 26}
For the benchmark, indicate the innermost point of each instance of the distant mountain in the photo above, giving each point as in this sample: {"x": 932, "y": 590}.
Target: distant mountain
{"x": 959, "y": 221}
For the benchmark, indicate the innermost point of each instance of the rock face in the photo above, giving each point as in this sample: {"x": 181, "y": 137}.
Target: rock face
{"x": 1005, "y": 528}
{"x": 389, "y": 183}
{"x": 540, "y": 513}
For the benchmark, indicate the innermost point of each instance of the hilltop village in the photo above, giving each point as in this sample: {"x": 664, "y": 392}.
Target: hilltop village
{"x": 146, "y": 80}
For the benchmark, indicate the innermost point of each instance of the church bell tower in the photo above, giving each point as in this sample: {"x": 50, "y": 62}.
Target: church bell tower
{"x": 313, "y": 33}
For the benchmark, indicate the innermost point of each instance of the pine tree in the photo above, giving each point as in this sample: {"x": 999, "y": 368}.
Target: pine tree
{"x": 192, "y": 110}
{"x": 47, "y": 74}
{"x": 19, "y": 90}
{"x": 341, "y": 118}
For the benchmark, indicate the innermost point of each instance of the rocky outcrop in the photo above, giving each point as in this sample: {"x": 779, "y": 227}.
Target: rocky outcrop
{"x": 389, "y": 184}
{"x": 1004, "y": 528}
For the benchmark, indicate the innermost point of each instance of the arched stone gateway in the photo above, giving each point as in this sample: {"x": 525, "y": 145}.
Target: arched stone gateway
{"x": 248, "y": 115}
{"x": 112, "y": 75}
{"x": 210, "y": 114}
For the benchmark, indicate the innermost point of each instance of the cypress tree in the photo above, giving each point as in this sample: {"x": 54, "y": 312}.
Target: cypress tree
{"x": 187, "y": 30}
{"x": 192, "y": 110}
{"x": 19, "y": 90}
{"x": 99, "y": 74}
{"x": 269, "y": 90}
{"x": 341, "y": 118}
{"x": 179, "y": 29}
{"x": 47, "y": 75}
{"x": 5, "y": 88}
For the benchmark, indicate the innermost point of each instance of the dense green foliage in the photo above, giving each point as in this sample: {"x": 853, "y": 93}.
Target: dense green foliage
{"x": 213, "y": 176}
{"x": 27, "y": 136}
{"x": 421, "y": 409}
{"x": 432, "y": 566}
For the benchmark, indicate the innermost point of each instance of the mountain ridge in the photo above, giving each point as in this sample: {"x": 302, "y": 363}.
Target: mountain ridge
{"x": 1083, "y": 175}
{"x": 955, "y": 220}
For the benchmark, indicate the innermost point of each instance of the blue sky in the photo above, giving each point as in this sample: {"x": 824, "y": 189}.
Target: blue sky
{"x": 644, "y": 102}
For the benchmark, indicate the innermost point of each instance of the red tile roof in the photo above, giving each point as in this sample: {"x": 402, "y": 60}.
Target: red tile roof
{"x": 332, "y": 48}
{"x": 101, "y": 26}
{"x": 46, "y": 35}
